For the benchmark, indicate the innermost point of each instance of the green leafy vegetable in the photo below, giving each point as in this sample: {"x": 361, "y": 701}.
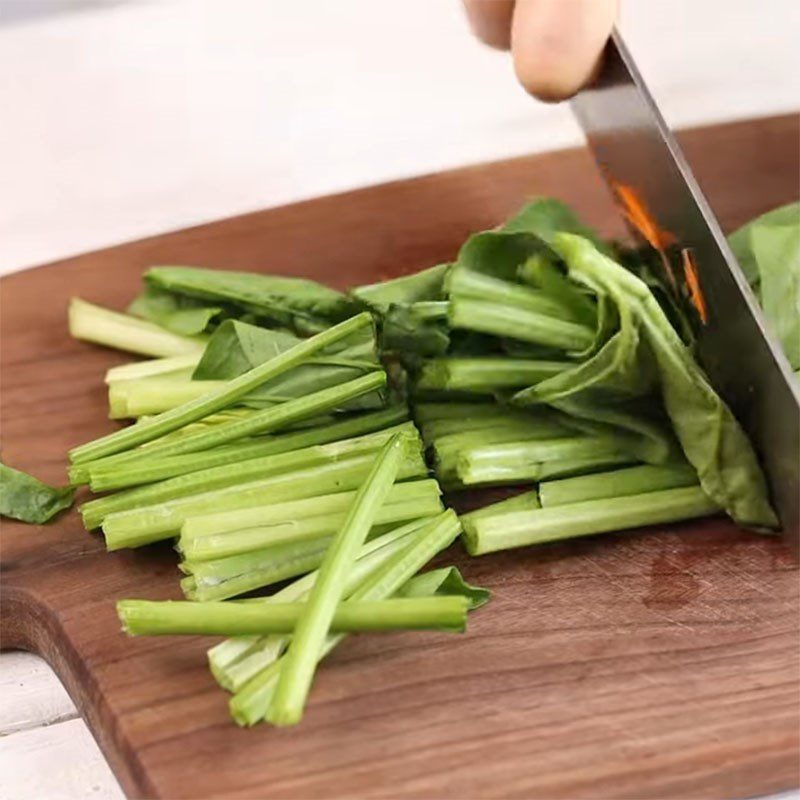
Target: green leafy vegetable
{"x": 251, "y": 704}
{"x": 159, "y": 468}
{"x": 216, "y": 400}
{"x": 236, "y": 347}
{"x": 486, "y": 534}
{"x": 427, "y": 284}
{"x": 709, "y": 434}
{"x": 181, "y": 315}
{"x": 143, "y": 525}
{"x": 412, "y": 312}
{"x": 25, "y": 498}
{"x": 302, "y": 305}
{"x": 235, "y": 661}
{"x": 314, "y": 623}
{"x": 768, "y": 250}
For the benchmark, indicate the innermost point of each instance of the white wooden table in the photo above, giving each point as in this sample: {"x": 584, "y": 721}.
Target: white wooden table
{"x": 140, "y": 117}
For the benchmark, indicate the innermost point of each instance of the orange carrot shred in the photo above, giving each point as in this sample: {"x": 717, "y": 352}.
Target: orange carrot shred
{"x": 693, "y": 284}
{"x": 636, "y": 212}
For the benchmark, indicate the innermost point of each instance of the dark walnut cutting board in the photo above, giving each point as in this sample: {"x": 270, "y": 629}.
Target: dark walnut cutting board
{"x": 659, "y": 663}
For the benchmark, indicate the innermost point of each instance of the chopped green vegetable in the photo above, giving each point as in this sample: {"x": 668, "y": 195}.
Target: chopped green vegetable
{"x": 235, "y": 661}
{"x": 236, "y": 347}
{"x": 216, "y": 400}
{"x": 542, "y": 354}
{"x": 709, "y": 434}
{"x": 252, "y": 702}
{"x": 487, "y": 375}
{"x": 26, "y": 498}
{"x": 222, "y": 544}
{"x": 305, "y": 306}
{"x": 155, "y": 394}
{"x": 486, "y": 534}
{"x": 314, "y": 623}
{"x": 180, "y": 617}
{"x": 159, "y": 468}
{"x": 112, "y": 329}
{"x": 619, "y": 483}
{"x": 147, "y": 524}
{"x": 178, "y": 314}
{"x": 170, "y": 365}
{"x": 525, "y": 461}
{"x": 243, "y": 470}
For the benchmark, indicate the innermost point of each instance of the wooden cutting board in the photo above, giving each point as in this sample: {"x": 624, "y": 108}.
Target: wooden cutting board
{"x": 660, "y": 663}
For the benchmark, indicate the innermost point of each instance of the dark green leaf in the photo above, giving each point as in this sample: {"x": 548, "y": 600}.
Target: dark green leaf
{"x": 176, "y": 313}
{"x": 236, "y": 347}
{"x": 302, "y": 305}
{"x": 420, "y": 286}
{"x": 25, "y": 498}
{"x": 546, "y": 216}
{"x": 415, "y": 329}
{"x": 708, "y": 432}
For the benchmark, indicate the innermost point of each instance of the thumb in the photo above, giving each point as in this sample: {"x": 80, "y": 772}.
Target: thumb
{"x": 557, "y": 44}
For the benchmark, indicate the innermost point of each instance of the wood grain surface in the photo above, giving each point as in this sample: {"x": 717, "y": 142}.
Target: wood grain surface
{"x": 659, "y": 663}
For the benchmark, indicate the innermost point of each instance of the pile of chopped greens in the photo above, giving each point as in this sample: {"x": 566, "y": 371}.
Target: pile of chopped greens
{"x": 288, "y": 433}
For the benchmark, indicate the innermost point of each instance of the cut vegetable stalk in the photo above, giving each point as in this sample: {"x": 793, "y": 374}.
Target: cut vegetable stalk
{"x": 520, "y": 528}
{"x": 525, "y": 501}
{"x": 276, "y": 417}
{"x": 314, "y": 623}
{"x": 215, "y": 401}
{"x": 229, "y": 543}
{"x": 218, "y": 523}
{"x": 619, "y": 483}
{"x": 124, "y": 332}
{"x": 152, "y": 523}
{"x": 484, "y": 375}
{"x": 181, "y": 617}
{"x": 472, "y": 285}
{"x": 156, "y": 469}
{"x": 170, "y": 365}
{"x": 246, "y": 566}
{"x": 246, "y": 469}
{"x": 523, "y": 461}
{"x": 251, "y": 704}
{"x": 234, "y": 661}
{"x": 271, "y": 566}
{"x": 153, "y": 395}
{"x": 517, "y": 323}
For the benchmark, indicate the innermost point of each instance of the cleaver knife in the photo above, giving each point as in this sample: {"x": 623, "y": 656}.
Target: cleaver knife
{"x": 652, "y": 183}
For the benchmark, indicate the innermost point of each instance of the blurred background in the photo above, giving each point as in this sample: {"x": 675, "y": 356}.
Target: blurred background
{"x": 125, "y": 118}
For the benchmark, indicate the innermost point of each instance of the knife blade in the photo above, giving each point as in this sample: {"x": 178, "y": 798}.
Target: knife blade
{"x": 640, "y": 159}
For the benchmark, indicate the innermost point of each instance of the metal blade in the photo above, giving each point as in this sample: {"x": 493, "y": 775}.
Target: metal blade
{"x": 634, "y": 148}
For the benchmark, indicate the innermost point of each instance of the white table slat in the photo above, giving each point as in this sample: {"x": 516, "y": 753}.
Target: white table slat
{"x": 57, "y": 762}
{"x": 30, "y": 694}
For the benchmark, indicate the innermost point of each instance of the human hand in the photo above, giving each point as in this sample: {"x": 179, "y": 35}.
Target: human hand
{"x": 556, "y": 44}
